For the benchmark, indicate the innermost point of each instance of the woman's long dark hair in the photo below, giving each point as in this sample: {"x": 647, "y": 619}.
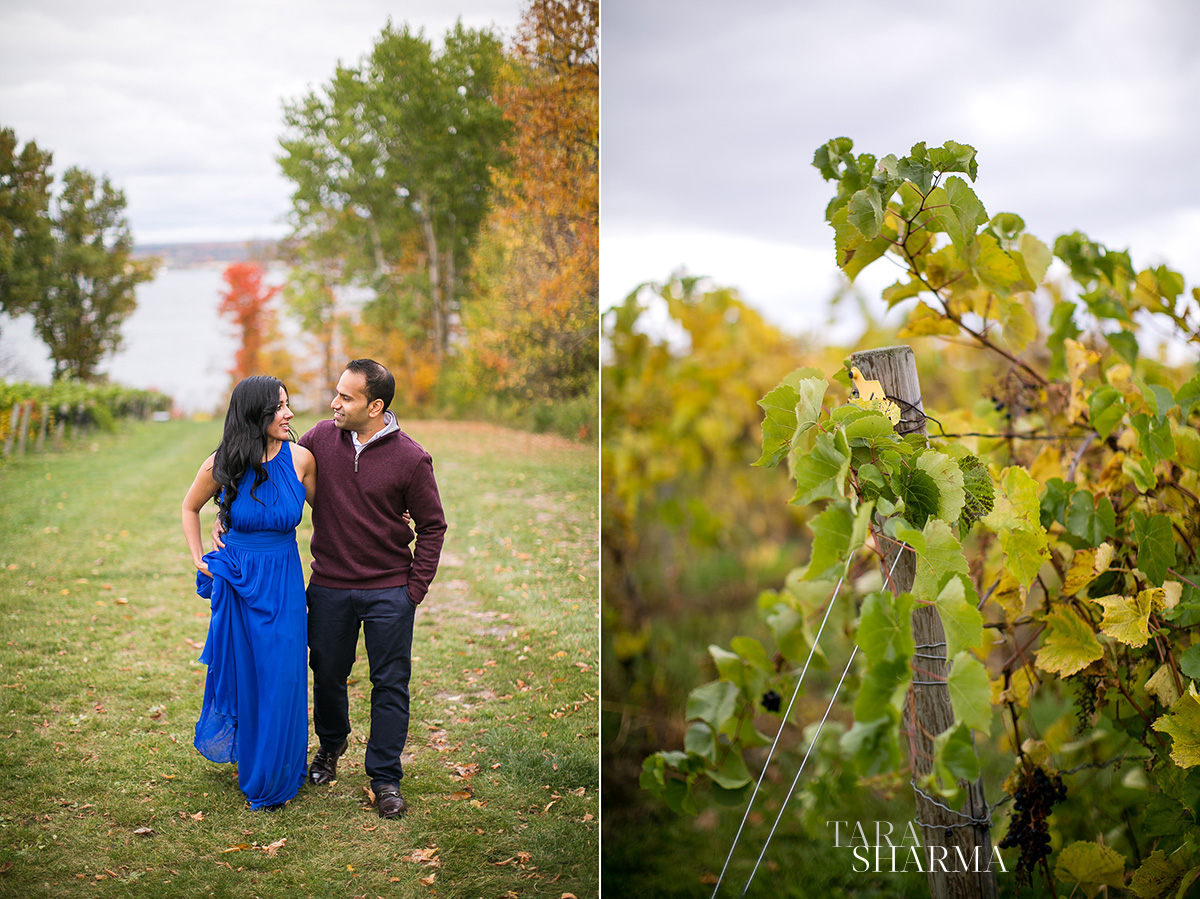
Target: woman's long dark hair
{"x": 252, "y": 408}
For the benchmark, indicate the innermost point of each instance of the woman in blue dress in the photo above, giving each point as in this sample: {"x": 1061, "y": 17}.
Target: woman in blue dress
{"x": 255, "y": 709}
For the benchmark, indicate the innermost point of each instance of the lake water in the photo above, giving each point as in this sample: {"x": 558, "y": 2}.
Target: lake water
{"x": 174, "y": 341}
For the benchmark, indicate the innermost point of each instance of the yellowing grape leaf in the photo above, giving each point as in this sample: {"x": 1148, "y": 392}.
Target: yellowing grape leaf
{"x": 1161, "y": 685}
{"x": 1086, "y": 566}
{"x": 1069, "y": 644}
{"x": 1183, "y": 724}
{"x": 1127, "y": 618}
{"x": 1091, "y": 866}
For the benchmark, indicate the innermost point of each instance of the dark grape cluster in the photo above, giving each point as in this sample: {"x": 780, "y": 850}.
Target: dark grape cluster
{"x": 771, "y": 701}
{"x": 1089, "y": 693}
{"x": 1028, "y": 829}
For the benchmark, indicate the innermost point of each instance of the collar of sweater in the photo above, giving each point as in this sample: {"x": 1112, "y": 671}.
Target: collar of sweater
{"x": 390, "y": 426}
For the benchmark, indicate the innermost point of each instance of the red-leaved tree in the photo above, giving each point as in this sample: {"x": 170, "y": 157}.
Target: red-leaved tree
{"x": 247, "y": 304}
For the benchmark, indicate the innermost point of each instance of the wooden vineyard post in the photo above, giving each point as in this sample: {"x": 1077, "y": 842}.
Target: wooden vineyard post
{"x": 965, "y": 834}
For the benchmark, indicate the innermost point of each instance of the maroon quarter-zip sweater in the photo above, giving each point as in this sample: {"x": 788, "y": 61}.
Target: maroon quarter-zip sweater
{"x": 360, "y": 540}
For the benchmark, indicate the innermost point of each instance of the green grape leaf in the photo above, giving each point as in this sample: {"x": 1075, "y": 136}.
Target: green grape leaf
{"x": 921, "y": 496}
{"x": 701, "y": 741}
{"x": 900, "y": 530}
{"x": 1090, "y": 519}
{"x": 874, "y": 745}
{"x": 715, "y": 702}
{"x": 1183, "y": 724}
{"x": 1188, "y": 396}
{"x": 883, "y": 690}
{"x": 961, "y": 620}
{"x": 955, "y": 157}
{"x": 753, "y": 653}
{"x": 954, "y": 755}
{"x": 1189, "y": 662}
{"x": 1055, "y": 501}
{"x": 1034, "y": 257}
{"x": 979, "y": 494}
{"x": 871, "y": 429}
{"x": 792, "y": 409}
{"x": 1154, "y": 440}
{"x": 730, "y": 666}
{"x": 948, "y": 477}
{"x": 866, "y": 212}
{"x": 1140, "y": 471}
{"x": 1069, "y": 645}
{"x": 1156, "y": 547}
{"x": 1106, "y": 409}
{"x": 821, "y": 474}
{"x": 1124, "y": 344}
{"x": 957, "y": 211}
{"x": 970, "y": 692}
{"x": 790, "y": 629}
{"x": 732, "y": 772}
{"x": 1007, "y": 225}
{"x": 885, "y": 627}
{"x": 1090, "y": 865}
{"x": 855, "y": 252}
{"x": 943, "y": 556}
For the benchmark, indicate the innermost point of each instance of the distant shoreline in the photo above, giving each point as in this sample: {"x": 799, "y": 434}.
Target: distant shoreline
{"x": 210, "y": 254}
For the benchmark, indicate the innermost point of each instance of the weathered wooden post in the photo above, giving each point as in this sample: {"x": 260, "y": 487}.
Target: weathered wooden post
{"x": 60, "y": 432}
{"x": 929, "y": 711}
{"x": 41, "y": 440}
{"x": 12, "y": 429}
{"x": 26, "y": 414}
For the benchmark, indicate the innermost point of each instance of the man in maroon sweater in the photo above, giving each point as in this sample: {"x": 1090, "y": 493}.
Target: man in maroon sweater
{"x": 369, "y": 474}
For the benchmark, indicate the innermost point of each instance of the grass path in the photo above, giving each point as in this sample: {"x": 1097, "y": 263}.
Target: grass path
{"x": 101, "y": 792}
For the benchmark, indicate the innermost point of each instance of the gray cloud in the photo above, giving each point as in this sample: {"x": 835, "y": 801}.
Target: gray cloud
{"x": 1082, "y": 112}
{"x": 182, "y": 106}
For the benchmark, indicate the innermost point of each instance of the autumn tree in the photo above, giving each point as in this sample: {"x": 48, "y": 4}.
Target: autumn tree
{"x": 533, "y": 326}
{"x": 391, "y": 164}
{"x": 88, "y": 284}
{"x": 25, "y": 238}
{"x": 247, "y": 303}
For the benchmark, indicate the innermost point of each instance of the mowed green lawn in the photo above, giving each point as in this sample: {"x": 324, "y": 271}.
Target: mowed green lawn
{"x": 101, "y": 791}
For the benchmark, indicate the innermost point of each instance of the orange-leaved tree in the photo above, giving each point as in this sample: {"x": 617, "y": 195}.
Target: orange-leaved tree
{"x": 533, "y": 327}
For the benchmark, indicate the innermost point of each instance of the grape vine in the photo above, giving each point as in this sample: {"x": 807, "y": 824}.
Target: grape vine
{"x": 1054, "y": 522}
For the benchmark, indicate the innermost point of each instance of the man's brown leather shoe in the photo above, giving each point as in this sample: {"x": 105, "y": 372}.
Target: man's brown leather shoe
{"x": 390, "y": 802}
{"x": 323, "y": 769}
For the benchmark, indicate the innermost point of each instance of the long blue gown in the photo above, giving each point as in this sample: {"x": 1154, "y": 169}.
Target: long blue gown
{"x": 256, "y": 694}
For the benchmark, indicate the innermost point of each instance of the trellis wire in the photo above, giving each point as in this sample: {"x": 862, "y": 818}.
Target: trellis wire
{"x": 812, "y": 743}
{"x": 796, "y": 692}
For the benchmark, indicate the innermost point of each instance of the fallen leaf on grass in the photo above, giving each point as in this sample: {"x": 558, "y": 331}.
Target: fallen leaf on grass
{"x": 464, "y": 772}
{"x": 192, "y": 643}
{"x": 709, "y": 878}
{"x": 6, "y": 865}
{"x": 427, "y": 881}
{"x": 199, "y": 816}
{"x": 426, "y": 856}
{"x": 272, "y": 848}
{"x": 567, "y": 896}
{"x": 144, "y": 831}
{"x": 459, "y": 794}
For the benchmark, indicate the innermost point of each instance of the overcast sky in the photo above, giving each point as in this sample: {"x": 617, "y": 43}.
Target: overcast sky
{"x": 1084, "y": 114}
{"x": 181, "y": 104}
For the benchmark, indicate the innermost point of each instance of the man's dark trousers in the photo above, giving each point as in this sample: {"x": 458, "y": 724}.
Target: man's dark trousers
{"x": 387, "y": 617}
